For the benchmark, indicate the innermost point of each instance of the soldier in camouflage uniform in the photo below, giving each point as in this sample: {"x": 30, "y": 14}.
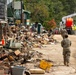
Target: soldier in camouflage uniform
{"x": 66, "y": 43}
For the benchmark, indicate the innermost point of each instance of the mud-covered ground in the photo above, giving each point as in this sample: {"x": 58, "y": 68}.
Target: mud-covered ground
{"x": 53, "y": 52}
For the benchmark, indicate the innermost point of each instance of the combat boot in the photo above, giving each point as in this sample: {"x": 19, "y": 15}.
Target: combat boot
{"x": 65, "y": 63}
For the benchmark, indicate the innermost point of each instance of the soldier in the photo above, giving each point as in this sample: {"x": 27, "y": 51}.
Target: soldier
{"x": 66, "y": 43}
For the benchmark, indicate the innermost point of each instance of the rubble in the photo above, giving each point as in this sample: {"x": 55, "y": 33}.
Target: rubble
{"x": 18, "y": 48}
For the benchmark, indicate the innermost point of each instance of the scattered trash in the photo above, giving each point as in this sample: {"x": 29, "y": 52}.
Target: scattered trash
{"x": 17, "y": 49}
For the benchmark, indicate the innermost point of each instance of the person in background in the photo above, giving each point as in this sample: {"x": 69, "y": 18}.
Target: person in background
{"x": 66, "y": 43}
{"x": 34, "y": 27}
{"x": 63, "y": 32}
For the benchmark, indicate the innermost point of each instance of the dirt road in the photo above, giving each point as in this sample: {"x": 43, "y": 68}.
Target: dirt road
{"x": 53, "y": 52}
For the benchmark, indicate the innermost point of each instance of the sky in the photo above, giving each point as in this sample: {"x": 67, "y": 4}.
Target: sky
{"x": 8, "y": 1}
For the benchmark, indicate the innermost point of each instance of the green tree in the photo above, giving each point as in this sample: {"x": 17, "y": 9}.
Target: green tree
{"x": 38, "y": 9}
{"x": 45, "y": 10}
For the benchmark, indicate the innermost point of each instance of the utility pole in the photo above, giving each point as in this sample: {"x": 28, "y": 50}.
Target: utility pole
{"x": 6, "y": 10}
{"x": 21, "y": 13}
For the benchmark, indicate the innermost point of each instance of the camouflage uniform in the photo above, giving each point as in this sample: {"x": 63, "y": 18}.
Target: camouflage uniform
{"x": 66, "y": 43}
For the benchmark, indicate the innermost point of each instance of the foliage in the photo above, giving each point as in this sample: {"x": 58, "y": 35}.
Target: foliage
{"x": 39, "y": 11}
{"x": 45, "y": 10}
{"x": 51, "y": 24}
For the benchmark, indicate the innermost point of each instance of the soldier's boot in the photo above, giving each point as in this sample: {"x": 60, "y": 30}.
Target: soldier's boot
{"x": 65, "y": 63}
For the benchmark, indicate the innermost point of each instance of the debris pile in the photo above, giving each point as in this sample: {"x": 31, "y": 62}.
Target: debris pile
{"x": 19, "y": 44}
